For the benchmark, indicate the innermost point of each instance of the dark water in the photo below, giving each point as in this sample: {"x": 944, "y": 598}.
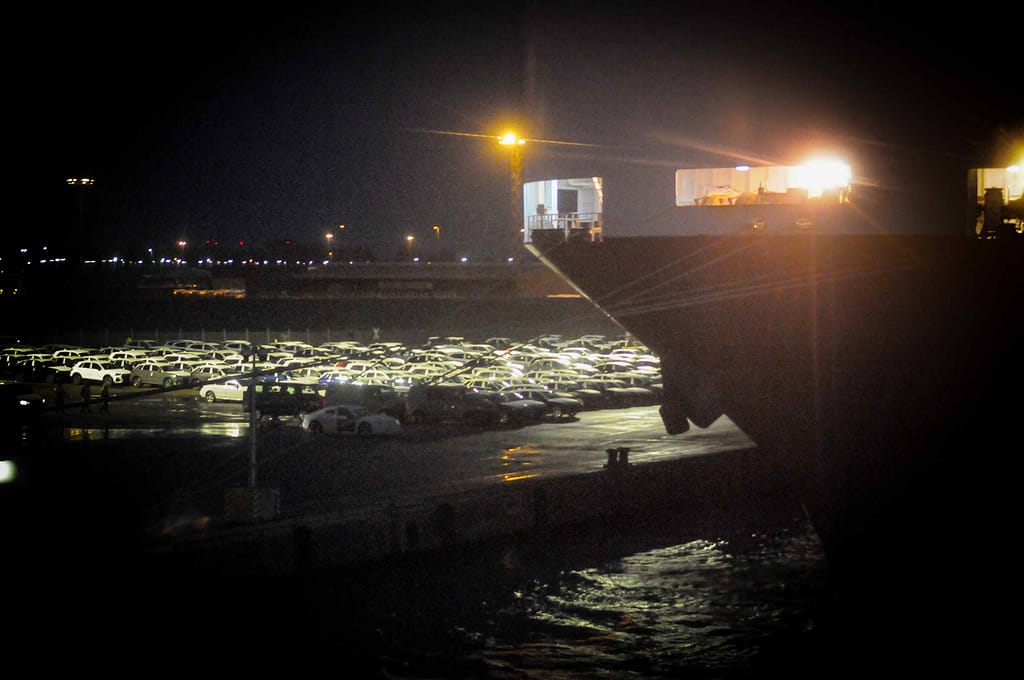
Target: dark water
{"x": 726, "y": 592}
{"x": 742, "y": 595}
{"x": 725, "y": 605}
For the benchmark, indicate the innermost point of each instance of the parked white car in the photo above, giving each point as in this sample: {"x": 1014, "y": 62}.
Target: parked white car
{"x": 227, "y": 356}
{"x": 153, "y": 372}
{"x": 351, "y": 419}
{"x": 243, "y": 347}
{"x": 229, "y": 390}
{"x": 207, "y": 371}
{"x": 93, "y": 370}
{"x": 126, "y": 358}
{"x": 178, "y": 357}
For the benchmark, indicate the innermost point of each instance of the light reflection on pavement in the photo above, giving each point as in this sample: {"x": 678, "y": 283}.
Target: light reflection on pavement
{"x": 208, "y": 448}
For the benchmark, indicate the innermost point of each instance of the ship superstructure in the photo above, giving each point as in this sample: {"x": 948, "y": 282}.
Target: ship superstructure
{"x": 872, "y": 364}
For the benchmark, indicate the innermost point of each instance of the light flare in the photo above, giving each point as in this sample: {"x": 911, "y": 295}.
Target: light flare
{"x": 818, "y": 176}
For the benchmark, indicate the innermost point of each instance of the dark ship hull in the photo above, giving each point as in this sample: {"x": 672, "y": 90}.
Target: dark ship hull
{"x": 882, "y": 373}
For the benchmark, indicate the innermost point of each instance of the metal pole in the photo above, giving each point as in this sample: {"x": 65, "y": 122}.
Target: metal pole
{"x": 252, "y": 423}
{"x": 516, "y": 198}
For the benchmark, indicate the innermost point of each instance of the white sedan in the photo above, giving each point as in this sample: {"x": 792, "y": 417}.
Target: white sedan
{"x": 351, "y": 419}
{"x": 229, "y": 390}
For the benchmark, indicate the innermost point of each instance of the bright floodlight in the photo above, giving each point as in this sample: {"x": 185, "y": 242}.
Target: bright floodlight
{"x": 819, "y": 175}
{"x": 8, "y": 471}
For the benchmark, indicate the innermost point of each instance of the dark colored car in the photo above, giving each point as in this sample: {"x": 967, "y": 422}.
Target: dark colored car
{"x": 519, "y": 409}
{"x": 558, "y": 405}
{"x": 55, "y": 370}
{"x": 617, "y": 393}
{"x": 31, "y": 369}
{"x": 439, "y": 403}
{"x": 283, "y": 399}
{"x": 593, "y": 399}
{"x": 375, "y": 398}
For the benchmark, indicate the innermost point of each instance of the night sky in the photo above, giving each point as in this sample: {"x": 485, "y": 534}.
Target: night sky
{"x": 265, "y": 124}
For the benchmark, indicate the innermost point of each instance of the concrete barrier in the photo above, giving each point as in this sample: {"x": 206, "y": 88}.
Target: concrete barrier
{"x": 688, "y": 489}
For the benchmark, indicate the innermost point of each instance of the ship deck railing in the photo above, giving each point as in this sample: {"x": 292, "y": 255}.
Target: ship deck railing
{"x": 570, "y": 224}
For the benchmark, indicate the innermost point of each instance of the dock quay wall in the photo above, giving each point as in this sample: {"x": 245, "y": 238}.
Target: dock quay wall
{"x": 691, "y": 490}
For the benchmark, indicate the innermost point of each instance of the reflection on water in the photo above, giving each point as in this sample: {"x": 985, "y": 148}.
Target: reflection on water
{"x": 723, "y": 605}
{"x": 206, "y": 428}
{"x": 747, "y": 598}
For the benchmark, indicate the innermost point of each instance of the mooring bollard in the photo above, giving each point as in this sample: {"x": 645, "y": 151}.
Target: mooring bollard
{"x": 611, "y": 459}
{"x": 618, "y": 458}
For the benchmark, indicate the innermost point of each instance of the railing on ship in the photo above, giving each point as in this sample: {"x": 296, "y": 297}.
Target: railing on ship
{"x": 570, "y": 224}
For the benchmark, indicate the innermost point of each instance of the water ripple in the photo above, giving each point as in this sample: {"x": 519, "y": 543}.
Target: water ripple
{"x": 731, "y": 604}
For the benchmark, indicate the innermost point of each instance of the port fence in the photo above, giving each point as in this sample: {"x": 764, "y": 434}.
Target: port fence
{"x": 314, "y": 322}
{"x": 110, "y": 337}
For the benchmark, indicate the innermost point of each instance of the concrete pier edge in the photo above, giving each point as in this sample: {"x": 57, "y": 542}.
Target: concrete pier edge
{"x": 690, "y": 488}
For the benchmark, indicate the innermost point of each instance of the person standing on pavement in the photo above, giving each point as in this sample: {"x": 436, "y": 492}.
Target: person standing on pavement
{"x": 58, "y": 397}
{"x": 86, "y": 394}
{"x": 104, "y": 398}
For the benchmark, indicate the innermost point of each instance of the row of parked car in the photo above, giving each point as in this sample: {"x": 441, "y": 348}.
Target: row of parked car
{"x": 162, "y": 366}
{"x": 495, "y": 382}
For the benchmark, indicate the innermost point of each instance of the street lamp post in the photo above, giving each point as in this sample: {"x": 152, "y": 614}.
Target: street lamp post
{"x": 437, "y": 232}
{"x": 330, "y": 251}
{"x": 181, "y": 245}
{"x": 408, "y": 245}
{"x": 515, "y": 144}
{"x": 515, "y": 147}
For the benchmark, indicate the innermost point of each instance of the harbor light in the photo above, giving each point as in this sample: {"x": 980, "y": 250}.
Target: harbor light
{"x": 510, "y": 139}
{"x": 818, "y": 176}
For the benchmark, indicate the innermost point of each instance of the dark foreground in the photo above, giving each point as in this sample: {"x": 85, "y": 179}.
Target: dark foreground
{"x": 698, "y": 590}
{"x": 702, "y": 573}
{"x": 86, "y": 587}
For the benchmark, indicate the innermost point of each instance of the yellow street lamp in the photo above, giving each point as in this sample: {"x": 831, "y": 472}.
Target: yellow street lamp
{"x": 330, "y": 252}
{"x": 408, "y": 244}
{"x": 437, "y": 231}
{"x": 515, "y": 147}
